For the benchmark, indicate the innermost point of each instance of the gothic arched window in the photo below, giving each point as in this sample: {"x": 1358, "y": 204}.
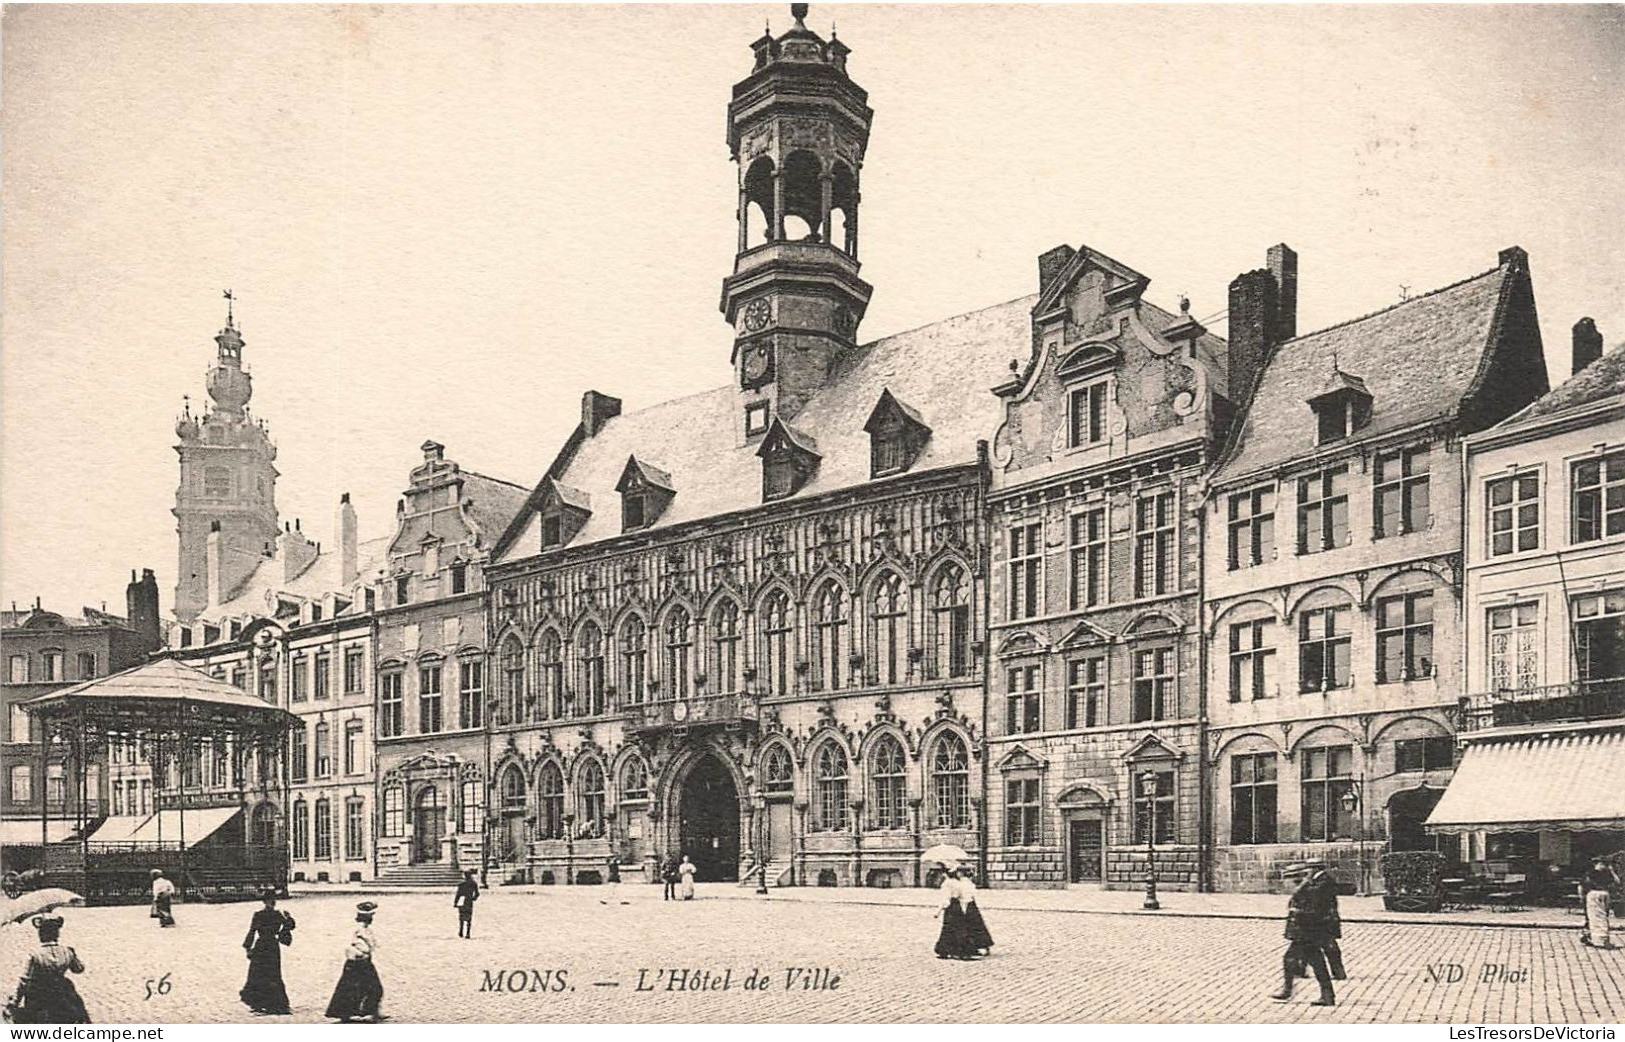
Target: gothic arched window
{"x": 950, "y": 783}
{"x": 510, "y": 708}
{"x": 725, "y": 648}
{"x": 829, "y": 786}
{"x": 776, "y": 646}
{"x": 590, "y": 809}
{"x": 590, "y": 652}
{"x": 550, "y": 676}
{"x": 634, "y": 659}
{"x": 513, "y": 790}
{"x": 550, "y": 790}
{"x": 888, "y": 806}
{"x": 889, "y": 622}
{"x": 829, "y": 630}
{"x": 950, "y": 623}
{"x": 634, "y": 780}
{"x": 778, "y": 770}
{"x": 679, "y": 652}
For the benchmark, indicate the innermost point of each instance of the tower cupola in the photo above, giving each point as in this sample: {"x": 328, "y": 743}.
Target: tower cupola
{"x": 230, "y": 387}
{"x": 797, "y": 129}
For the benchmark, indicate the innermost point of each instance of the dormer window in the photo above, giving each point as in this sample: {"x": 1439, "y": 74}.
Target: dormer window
{"x": 1341, "y": 409}
{"x": 551, "y": 531}
{"x": 896, "y": 436}
{"x": 564, "y": 512}
{"x": 789, "y": 460}
{"x": 645, "y": 490}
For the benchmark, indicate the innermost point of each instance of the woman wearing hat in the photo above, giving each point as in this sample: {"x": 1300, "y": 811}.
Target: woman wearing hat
{"x": 954, "y": 940}
{"x": 268, "y": 931}
{"x": 1597, "y": 889}
{"x": 45, "y": 995}
{"x": 975, "y": 926}
{"x": 359, "y": 992}
{"x": 163, "y": 896}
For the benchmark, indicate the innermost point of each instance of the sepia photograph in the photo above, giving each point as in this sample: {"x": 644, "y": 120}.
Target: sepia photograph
{"x": 487, "y": 535}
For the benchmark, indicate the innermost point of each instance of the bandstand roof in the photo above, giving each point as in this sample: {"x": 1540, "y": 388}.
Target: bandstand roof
{"x": 156, "y": 695}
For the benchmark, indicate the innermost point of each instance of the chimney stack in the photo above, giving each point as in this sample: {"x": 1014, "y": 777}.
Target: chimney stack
{"x": 597, "y": 409}
{"x": 1051, "y": 263}
{"x": 214, "y": 565}
{"x": 141, "y": 602}
{"x": 1263, "y": 315}
{"x": 1587, "y": 343}
{"x": 349, "y": 560}
{"x": 1282, "y": 261}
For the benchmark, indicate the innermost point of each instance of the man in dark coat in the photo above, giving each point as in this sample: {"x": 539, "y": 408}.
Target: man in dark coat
{"x": 1309, "y": 918}
{"x": 468, "y": 892}
{"x": 671, "y": 873}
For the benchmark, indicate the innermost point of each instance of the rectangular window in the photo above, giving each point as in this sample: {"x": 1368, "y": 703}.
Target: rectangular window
{"x": 1437, "y": 753}
{"x": 21, "y": 729}
{"x": 299, "y": 754}
{"x": 301, "y": 831}
{"x": 1252, "y": 527}
{"x": 1599, "y": 635}
{"x": 1153, "y": 684}
{"x": 632, "y": 513}
{"x": 1252, "y": 659}
{"x": 355, "y": 830}
{"x": 1327, "y": 776}
{"x": 459, "y": 578}
{"x": 268, "y": 681}
{"x": 1086, "y": 692}
{"x": 18, "y": 669}
{"x": 888, "y": 451}
{"x": 354, "y": 757}
{"x": 1088, "y": 552}
{"x": 470, "y": 694}
{"x": 1514, "y": 650}
{"x": 298, "y": 680}
{"x": 22, "y": 783}
{"x": 1323, "y": 511}
{"x": 391, "y": 706}
{"x": 1599, "y": 498}
{"x": 403, "y": 585}
{"x": 756, "y": 414}
{"x": 1400, "y": 505}
{"x": 1514, "y": 513}
{"x": 1323, "y": 649}
{"x": 430, "y": 718}
{"x": 1026, "y": 559}
{"x": 778, "y": 478}
{"x": 324, "y": 674}
{"x": 1154, "y": 563}
{"x": 395, "y": 811}
{"x": 1404, "y": 637}
{"x": 51, "y": 666}
{"x": 1153, "y": 803}
{"x": 239, "y": 678}
{"x": 1088, "y": 415}
{"x": 1252, "y": 798}
{"x": 354, "y": 671}
{"x": 324, "y": 751}
{"x": 324, "y": 831}
{"x": 1021, "y": 812}
{"x": 1021, "y": 701}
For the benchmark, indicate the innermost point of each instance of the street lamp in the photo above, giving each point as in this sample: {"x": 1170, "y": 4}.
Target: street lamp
{"x": 1148, "y": 791}
{"x": 1353, "y": 798}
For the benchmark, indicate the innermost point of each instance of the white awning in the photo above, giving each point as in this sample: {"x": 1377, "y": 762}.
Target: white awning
{"x": 25, "y": 832}
{"x": 165, "y": 826}
{"x": 1570, "y": 782}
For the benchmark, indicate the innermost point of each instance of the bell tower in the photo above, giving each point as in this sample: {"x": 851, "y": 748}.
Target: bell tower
{"x": 225, "y": 504}
{"x": 797, "y": 128}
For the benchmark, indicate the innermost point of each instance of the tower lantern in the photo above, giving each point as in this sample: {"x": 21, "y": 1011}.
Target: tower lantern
{"x": 797, "y": 129}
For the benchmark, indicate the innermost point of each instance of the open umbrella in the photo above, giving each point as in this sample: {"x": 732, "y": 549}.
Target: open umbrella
{"x": 946, "y": 853}
{"x": 38, "y": 902}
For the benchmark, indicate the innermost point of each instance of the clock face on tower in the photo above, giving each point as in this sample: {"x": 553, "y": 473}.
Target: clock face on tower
{"x": 756, "y": 368}
{"x": 757, "y": 313}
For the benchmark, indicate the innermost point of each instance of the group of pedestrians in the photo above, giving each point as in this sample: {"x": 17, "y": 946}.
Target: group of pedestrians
{"x": 359, "y": 993}
{"x": 678, "y": 874}
{"x": 964, "y": 934}
{"x": 1313, "y": 926}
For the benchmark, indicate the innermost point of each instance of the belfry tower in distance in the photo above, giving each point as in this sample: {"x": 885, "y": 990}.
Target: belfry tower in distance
{"x": 797, "y": 128}
{"x": 225, "y": 505}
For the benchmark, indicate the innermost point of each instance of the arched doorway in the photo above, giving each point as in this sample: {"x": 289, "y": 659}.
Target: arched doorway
{"x": 428, "y": 825}
{"x": 1407, "y": 810}
{"x": 708, "y": 820}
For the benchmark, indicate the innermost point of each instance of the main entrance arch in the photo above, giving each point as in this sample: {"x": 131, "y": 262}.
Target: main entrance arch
{"x": 428, "y": 825}
{"x": 708, "y": 819}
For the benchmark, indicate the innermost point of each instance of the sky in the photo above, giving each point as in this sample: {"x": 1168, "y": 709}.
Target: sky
{"x": 449, "y": 222}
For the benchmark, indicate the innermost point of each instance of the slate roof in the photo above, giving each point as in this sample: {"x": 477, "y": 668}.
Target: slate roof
{"x": 493, "y": 504}
{"x": 1417, "y": 360}
{"x": 1603, "y": 378}
{"x": 944, "y": 371}
{"x": 161, "y": 680}
{"x": 319, "y": 578}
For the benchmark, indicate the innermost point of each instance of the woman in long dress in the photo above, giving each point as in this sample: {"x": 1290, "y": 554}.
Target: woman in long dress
{"x": 687, "y": 871}
{"x": 359, "y": 992}
{"x": 954, "y": 940}
{"x": 45, "y": 995}
{"x": 1598, "y": 887}
{"x": 975, "y": 928}
{"x": 268, "y": 931}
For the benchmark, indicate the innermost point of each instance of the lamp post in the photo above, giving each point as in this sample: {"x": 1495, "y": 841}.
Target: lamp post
{"x": 760, "y": 803}
{"x": 1354, "y": 800}
{"x": 1148, "y": 790}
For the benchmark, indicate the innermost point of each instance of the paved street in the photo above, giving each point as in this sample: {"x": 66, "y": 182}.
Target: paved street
{"x": 1047, "y": 965}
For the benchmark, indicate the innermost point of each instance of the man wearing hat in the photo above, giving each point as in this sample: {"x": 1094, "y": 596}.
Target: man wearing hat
{"x": 163, "y": 896}
{"x": 1309, "y": 918}
{"x": 468, "y": 891}
{"x": 359, "y": 992}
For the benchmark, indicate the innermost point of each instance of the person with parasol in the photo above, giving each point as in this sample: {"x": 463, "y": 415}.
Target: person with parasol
{"x": 359, "y": 992}
{"x": 954, "y": 939}
{"x": 44, "y": 994}
{"x": 268, "y": 931}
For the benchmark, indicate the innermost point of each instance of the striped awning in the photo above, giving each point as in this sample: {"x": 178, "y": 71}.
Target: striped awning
{"x": 1539, "y": 782}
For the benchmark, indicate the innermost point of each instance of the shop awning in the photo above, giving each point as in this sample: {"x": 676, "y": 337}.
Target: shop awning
{"x": 25, "y": 832}
{"x": 148, "y": 830}
{"x": 1559, "y": 781}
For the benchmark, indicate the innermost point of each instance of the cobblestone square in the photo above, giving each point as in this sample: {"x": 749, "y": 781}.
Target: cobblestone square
{"x": 577, "y": 954}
